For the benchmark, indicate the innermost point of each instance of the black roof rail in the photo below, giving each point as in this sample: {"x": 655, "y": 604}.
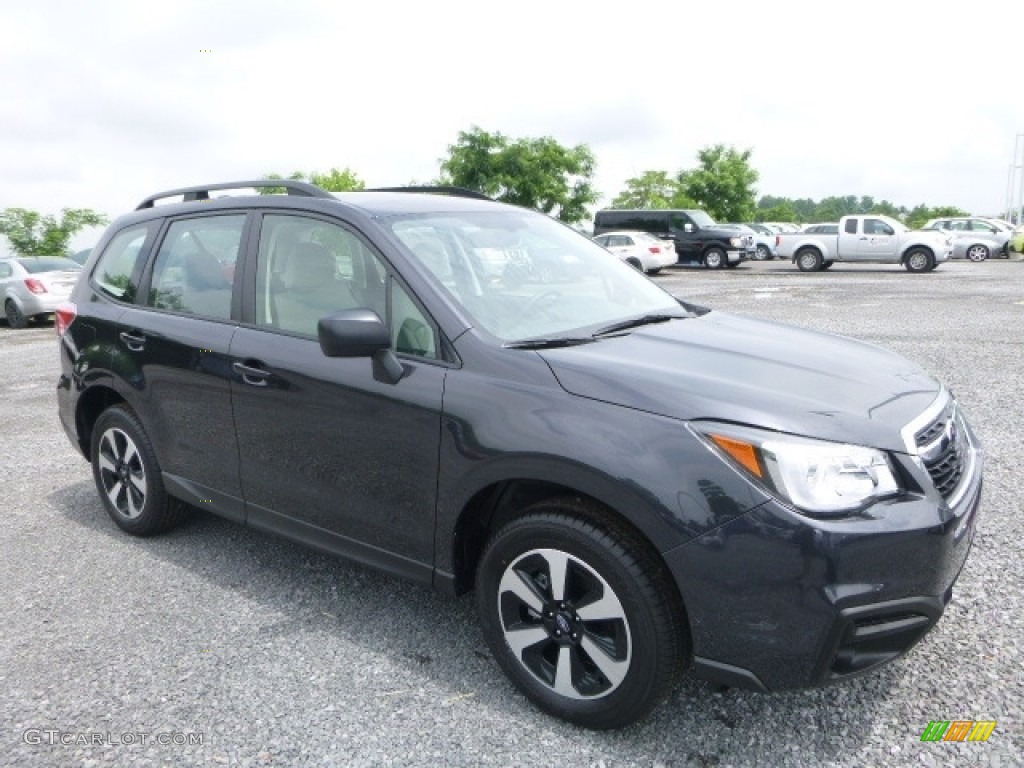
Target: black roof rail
{"x": 202, "y": 192}
{"x": 437, "y": 190}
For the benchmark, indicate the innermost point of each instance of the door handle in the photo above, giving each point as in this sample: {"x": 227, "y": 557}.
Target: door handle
{"x": 256, "y": 377}
{"x": 133, "y": 342}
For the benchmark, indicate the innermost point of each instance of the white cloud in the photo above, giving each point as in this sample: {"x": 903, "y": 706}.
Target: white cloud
{"x": 107, "y": 102}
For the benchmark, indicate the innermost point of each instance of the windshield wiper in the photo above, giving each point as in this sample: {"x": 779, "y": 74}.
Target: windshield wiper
{"x": 635, "y": 322}
{"x": 553, "y": 343}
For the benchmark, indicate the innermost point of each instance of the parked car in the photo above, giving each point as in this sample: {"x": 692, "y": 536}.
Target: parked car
{"x": 783, "y": 226}
{"x": 33, "y": 286}
{"x": 646, "y": 252}
{"x": 821, "y": 229}
{"x": 764, "y": 244}
{"x": 697, "y": 238}
{"x": 870, "y": 238}
{"x": 1017, "y": 239}
{"x": 632, "y": 484}
{"x": 976, "y": 239}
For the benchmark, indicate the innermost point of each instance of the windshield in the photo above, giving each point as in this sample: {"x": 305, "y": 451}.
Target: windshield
{"x": 701, "y": 219}
{"x": 521, "y": 275}
{"x": 36, "y": 264}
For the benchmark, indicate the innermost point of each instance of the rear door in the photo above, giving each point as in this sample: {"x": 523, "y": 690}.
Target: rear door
{"x": 173, "y": 349}
{"x": 332, "y": 453}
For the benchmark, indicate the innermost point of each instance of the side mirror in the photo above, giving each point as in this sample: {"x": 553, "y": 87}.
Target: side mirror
{"x": 352, "y": 333}
{"x": 360, "y": 333}
{"x": 688, "y": 227}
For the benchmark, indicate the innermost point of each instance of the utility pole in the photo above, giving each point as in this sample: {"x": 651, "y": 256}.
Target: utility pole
{"x": 1015, "y": 183}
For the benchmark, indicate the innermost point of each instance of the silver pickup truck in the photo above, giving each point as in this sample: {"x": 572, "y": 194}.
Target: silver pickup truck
{"x": 869, "y": 238}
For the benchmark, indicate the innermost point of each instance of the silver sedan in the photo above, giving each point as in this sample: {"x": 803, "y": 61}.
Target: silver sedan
{"x": 34, "y": 286}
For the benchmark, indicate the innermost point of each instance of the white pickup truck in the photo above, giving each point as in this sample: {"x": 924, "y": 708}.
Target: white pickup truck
{"x": 869, "y": 238}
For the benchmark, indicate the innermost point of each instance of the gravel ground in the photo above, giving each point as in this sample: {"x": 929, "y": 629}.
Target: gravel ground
{"x": 271, "y": 655}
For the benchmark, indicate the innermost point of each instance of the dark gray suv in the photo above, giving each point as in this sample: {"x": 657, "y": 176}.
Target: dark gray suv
{"x": 472, "y": 395}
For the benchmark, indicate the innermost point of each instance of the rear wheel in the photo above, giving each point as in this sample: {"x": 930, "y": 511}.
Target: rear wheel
{"x": 583, "y": 619}
{"x": 919, "y": 260}
{"x": 127, "y": 475}
{"x": 978, "y": 252}
{"x": 15, "y": 318}
{"x": 809, "y": 260}
{"x": 715, "y": 258}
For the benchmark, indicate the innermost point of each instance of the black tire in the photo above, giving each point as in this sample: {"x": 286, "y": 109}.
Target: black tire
{"x": 633, "y": 644}
{"x": 763, "y": 253}
{"x": 978, "y": 252}
{"x": 654, "y": 271}
{"x": 127, "y": 475}
{"x": 809, "y": 260}
{"x": 919, "y": 260}
{"x": 15, "y": 319}
{"x": 827, "y": 265}
{"x": 715, "y": 258}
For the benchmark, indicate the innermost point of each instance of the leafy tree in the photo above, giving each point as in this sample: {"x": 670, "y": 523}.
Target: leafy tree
{"x": 652, "y": 189}
{"x": 334, "y": 180}
{"x": 919, "y": 215}
{"x": 534, "y": 173}
{"x": 781, "y": 211}
{"x": 723, "y": 183}
{"x": 33, "y": 234}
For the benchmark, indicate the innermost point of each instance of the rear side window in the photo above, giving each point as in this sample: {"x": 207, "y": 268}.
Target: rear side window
{"x": 194, "y": 270}
{"x": 117, "y": 271}
{"x": 5, "y": 269}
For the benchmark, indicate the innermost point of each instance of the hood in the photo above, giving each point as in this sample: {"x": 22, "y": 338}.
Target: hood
{"x": 729, "y": 368}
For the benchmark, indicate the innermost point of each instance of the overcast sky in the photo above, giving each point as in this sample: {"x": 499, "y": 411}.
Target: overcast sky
{"x": 104, "y": 103}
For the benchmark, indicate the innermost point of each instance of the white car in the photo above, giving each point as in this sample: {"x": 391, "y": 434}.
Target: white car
{"x": 645, "y": 252}
{"x": 32, "y": 287}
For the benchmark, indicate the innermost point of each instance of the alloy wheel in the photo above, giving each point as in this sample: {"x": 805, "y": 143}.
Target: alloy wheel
{"x": 122, "y": 473}
{"x": 564, "y": 624}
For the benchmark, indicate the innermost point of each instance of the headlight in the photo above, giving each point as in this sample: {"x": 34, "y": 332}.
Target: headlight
{"x": 812, "y": 475}
{"x": 736, "y": 242}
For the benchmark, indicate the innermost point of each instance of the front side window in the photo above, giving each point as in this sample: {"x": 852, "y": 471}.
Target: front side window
{"x": 850, "y": 227}
{"x": 194, "y": 270}
{"x": 117, "y": 271}
{"x": 309, "y": 268}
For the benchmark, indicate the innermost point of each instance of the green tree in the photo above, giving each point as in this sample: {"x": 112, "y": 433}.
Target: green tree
{"x": 534, "y": 173}
{"x": 781, "y": 211}
{"x": 919, "y": 215}
{"x": 651, "y": 189}
{"x": 334, "y": 180}
{"x": 722, "y": 184}
{"x": 34, "y": 234}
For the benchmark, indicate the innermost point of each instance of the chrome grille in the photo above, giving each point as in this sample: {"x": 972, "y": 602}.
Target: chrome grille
{"x": 942, "y": 446}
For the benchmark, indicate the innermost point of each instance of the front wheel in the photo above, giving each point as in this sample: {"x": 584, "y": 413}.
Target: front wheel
{"x": 919, "y": 260}
{"x": 583, "y": 619}
{"x": 763, "y": 253}
{"x": 127, "y": 475}
{"x": 715, "y": 258}
{"x": 978, "y": 252}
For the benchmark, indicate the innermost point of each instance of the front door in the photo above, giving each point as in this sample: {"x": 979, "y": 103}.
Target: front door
{"x": 332, "y": 453}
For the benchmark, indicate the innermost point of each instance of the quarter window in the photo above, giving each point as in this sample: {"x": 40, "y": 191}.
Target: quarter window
{"x": 117, "y": 271}
{"x": 195, "y": 267}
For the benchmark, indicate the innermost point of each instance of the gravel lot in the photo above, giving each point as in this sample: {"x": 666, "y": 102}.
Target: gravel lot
{"x": 273, "y": 655}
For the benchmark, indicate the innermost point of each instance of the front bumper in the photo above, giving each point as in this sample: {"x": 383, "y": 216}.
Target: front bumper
{"x": 778, "y": 600}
